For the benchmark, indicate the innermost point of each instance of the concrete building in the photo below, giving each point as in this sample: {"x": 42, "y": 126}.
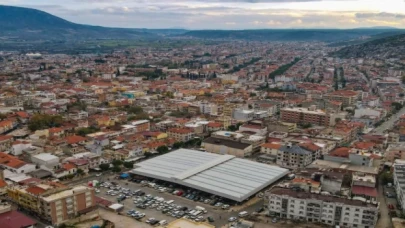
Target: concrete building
{"x": 399, "y": 182}
{"x": 348, "y": 98}
{"x": 141, "y": 125}
{"x": 225, "y": 146}
{"x": 326, "y": 209}
{"x": 180, "y": 134}
{"x": 270, "y": 148}
{"x": 305, "y": 116}
{"x": 243, "y": 115}
{"x": 48, "y": 160}
{"x": 293, "y": 156}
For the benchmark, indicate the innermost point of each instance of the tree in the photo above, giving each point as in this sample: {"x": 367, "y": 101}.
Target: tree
{"x": 87, "y": 130}
{"x": 252, "y": 94}
{"x": 43, "y": 121}
{"x": 336, "y": 85}
{"x": 129, "y": 165}
{"x": 104, "y": 167}
{"x": 397, "y": 106}
{"x": 178, "y": 145}
{"x": 386, "y": 177}
{"x": 117, "y": 163}
{"x": 306, "y": 125}
{"x": 337, "y": 120}
{"x": 162, "y": 149}
{"x": 80, "y": 172}
{"x": 116, "y": 169}
{"x": 2, "y": 116}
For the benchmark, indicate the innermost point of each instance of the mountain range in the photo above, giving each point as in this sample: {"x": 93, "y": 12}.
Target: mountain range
{"x": 17, "y": 23}
{"x": 384, "y": 48}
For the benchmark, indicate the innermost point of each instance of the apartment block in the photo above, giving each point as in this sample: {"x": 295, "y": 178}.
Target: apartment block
{"x": 326, "y": 209}
{"x": 347, "y": 97}
{"x": 53, "y": 202}
{"x": 399, "y": 182}
{"x": 67, "y": 204}
{"x": 180, "y": 134}
{"x": 141, "y": 125}
{"x": 293, "y": 156}
{"x": 305, "y": 115}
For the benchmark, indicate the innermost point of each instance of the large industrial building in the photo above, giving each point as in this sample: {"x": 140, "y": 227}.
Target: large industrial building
{"x": 223, "y": 175}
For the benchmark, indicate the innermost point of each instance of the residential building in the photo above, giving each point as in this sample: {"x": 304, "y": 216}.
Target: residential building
{"x": 305, "y": 116}
{"x": 141, "y": 125}
{"x": 6, "y": 142}
{"x": 326, "y": 209}
{"x": 270, "y": 148}
{"x": 347, "y": 97}
{"x": 67, "y": 204}
{"x": 399, "y": 182}
{"x": 293, "y": 156}
{"x": 226, "y": 146}
{"x": 180, "y": 134}
{"x": 14, "y": 164}
{"x": 243, "y": 115}
{"x": 48, "y": 160}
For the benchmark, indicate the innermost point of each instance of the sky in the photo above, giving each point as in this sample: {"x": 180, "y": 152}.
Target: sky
{"x": 225, "y": 14}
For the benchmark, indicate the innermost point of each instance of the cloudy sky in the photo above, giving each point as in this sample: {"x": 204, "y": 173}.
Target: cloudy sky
{"x": 225, "y": 14}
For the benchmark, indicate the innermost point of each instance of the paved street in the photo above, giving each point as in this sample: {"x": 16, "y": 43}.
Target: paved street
{"x": 389, "y": 123}
{"x": 385, "y": 220}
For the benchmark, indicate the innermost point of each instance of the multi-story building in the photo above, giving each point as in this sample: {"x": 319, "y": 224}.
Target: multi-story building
{"x": 326, "y": 209}
{"x": 347, "y": 97}
{"x": 399, "y": 182}
{"x": 52, "y": 201}
{"x": 62, "y": 206}
{"x": 305, "y": 116}
{"x": 227, "y": 146}
{"x": 293, "y": 156}
{"x": 141, "y": 125}
{"x": 181, "y": 134}
{"x": 6, "y": 142}
{"x": 243, "y": 115}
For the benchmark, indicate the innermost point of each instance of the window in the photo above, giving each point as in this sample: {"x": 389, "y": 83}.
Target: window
{"x": 357, "y": 209}
{"x": 356, "y": 215}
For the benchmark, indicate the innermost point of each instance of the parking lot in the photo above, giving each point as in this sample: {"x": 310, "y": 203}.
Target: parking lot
{"x": 144, "y": 201}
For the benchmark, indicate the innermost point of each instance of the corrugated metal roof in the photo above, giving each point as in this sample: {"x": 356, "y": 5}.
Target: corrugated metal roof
{"x": 222, "y": 175}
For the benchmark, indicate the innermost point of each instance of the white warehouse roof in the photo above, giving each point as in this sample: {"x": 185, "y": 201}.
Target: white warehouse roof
{"x": 223, "y": 175}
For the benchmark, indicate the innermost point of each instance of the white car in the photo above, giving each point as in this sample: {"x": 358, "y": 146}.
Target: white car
{"x": 98, "y": 174}
{"x": 97, "y": 191}
{"x": 232, "y": 219}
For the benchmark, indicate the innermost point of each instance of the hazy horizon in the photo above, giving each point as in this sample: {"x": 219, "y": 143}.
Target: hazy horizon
{"x": 225, "y": 14}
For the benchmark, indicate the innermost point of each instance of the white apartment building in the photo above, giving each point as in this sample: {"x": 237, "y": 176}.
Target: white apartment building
{"x": 399, "y": 181}
{"x": 326, "y": 209}
{"x": 243, "y": 115}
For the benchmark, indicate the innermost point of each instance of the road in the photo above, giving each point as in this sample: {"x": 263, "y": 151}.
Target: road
{"x": 385, "y": 220}
{"x": 389, "y": 123}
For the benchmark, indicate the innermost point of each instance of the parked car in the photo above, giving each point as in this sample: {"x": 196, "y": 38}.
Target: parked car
{"x": 210, "y": 219}
{"x": 243, "y": 214}
{"x": 232, "y": 219}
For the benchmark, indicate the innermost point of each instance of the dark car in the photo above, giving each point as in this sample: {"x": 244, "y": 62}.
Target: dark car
{"x": 260, "y": 209}
{"x": 184, "y": 208}
{"x": 154, "y": 222}
{"x": 211, "y": 219}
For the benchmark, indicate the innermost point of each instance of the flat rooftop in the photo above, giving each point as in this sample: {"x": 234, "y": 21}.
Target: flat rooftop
{"x": 223, "y": 175}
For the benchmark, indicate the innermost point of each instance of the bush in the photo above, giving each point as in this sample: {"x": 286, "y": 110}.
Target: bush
{"x": 128, "y": 165}
{"x": 104, "y": 167}
{"x": 116, "y": 169}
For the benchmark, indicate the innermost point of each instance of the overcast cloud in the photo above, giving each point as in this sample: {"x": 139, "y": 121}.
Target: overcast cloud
{"x": 225, "y": 14}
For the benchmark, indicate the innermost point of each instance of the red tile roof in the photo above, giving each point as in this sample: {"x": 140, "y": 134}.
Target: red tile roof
{"x": 10, "y": 161}
{"x": 275, "y": 146}
{"x": 180, "y": 130}
{"x": 5, "y": 137}
{"x": 35, "y": 190}
{"x": 15, "y": 219}
{"x": 362, "y": 190}
{"x": 340, "y": 152}
{"x": 2, "y": 183}
{"x": 22, "y": 114}
{"x": 69, "y": 166}
{"x": 74, "y": 139}
{"x": 363, "y": 145}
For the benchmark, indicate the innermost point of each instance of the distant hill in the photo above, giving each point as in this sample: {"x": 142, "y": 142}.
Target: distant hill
{"x": 325, "y": 35}
{"x": 388, "y": 47}
{"x": 32, "y": 24}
